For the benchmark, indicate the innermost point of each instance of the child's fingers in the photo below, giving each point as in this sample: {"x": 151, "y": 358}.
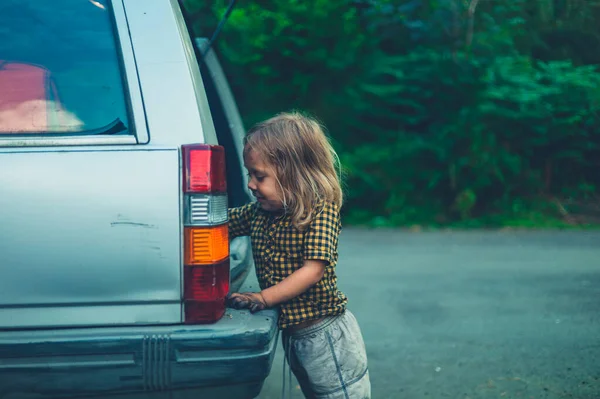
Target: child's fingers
{"x": 246, "y": 300}
{"x": 237, "y": 301}
{"x": 241, "y": 304}
{"x": 256, "y": 307}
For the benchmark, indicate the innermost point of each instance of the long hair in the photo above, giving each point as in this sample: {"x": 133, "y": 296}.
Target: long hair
{"x": 303, "y": 160}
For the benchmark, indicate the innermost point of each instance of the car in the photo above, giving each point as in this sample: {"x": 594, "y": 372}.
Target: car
{"x": 120, "y": 152}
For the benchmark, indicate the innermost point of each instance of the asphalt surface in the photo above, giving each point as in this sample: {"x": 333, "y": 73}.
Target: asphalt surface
{"x": 473, "y": 314}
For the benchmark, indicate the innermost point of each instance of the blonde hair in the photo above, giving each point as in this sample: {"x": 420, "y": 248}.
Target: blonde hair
{"x": 303, "y": 160}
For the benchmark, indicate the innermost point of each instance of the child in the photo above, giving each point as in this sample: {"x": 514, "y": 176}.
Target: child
{"x": 294, "y": 228}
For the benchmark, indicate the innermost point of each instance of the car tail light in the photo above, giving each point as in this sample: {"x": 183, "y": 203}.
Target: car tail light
{"x": 206, "y": 210}
{"x": 205, "y": 291}
{"x": 206, "y": 245}
{"x": 204, "y": 169}
{"x": 205, "y": 233}
{"x": 207, "y": 282}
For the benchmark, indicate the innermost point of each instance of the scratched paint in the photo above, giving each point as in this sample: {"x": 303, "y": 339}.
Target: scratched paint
{"x": 134, "y": 224}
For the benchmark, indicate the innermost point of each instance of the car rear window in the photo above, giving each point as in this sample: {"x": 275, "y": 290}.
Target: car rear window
{"x": 60, "y": 71}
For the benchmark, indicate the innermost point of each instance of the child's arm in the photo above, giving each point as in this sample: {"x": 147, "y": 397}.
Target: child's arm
{"x": 319, "y": 250}
{"x": 295, "y": 284}
{"x": 239, "y": 220}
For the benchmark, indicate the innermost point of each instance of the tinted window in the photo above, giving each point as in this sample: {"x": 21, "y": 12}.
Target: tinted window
{"x": 59, "y": 68}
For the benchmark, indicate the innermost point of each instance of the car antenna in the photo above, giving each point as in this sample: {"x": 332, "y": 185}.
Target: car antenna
{"x": 219, "y": 27}
{"x": 215, "y": 34}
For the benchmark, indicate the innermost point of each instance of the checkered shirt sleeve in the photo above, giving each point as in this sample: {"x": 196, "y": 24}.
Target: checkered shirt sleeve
{"x": 321, "y": 238}
{"x": 240, "y": 220}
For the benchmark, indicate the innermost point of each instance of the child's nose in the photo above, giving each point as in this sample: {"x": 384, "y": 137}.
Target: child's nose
{"x": 252, "y": 185}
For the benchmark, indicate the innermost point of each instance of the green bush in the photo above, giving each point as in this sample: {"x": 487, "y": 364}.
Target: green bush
{"x": 442, "y": 113}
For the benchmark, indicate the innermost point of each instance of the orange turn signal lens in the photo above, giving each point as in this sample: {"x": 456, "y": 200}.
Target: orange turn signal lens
{"x": 206, "y": 245}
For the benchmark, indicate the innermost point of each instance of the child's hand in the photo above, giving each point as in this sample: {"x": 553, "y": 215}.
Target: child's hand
{"x": 253, "y": 301}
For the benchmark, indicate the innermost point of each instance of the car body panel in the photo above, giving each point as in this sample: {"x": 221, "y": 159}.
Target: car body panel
{"x": 176, "y": 107}
{"x": 66, "y": 245}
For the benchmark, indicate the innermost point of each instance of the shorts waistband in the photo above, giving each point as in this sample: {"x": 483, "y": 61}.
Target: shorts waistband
{"x": 327, "y": 321}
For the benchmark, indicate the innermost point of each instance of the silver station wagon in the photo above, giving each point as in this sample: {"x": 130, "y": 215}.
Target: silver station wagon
{"x": 120, "y": 152}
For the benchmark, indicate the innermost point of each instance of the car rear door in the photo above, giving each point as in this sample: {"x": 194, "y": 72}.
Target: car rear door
{"x": 90, "y": 208}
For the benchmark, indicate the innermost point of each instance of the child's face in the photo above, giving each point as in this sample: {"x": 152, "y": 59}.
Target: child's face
{"x": 263, "y": 182}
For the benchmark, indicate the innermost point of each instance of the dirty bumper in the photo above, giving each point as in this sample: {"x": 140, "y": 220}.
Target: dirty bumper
{"x": 238, "y": 349}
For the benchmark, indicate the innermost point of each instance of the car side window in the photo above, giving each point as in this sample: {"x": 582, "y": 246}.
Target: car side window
{"x": 60, "y": 69}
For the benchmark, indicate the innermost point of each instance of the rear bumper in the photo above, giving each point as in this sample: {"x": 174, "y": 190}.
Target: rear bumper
{"x": 237, "y": 350}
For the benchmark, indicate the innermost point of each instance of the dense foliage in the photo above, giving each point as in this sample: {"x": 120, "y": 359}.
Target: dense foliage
{"x": 442, "y": 111}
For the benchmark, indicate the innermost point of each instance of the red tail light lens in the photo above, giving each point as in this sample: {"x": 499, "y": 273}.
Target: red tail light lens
{"x": 204, "y": 312}
{"x": 205, "y": 288}
{"x": 204, "y": 169}
{"x": 205, "y": 238}
{"x": 206, "y": 283}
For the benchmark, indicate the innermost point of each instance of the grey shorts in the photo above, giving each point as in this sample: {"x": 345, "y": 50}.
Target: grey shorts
{"x": 329, "y": 359}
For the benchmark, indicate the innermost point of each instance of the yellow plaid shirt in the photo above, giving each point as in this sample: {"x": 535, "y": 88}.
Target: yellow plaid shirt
{"x": 279, "y": 249}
